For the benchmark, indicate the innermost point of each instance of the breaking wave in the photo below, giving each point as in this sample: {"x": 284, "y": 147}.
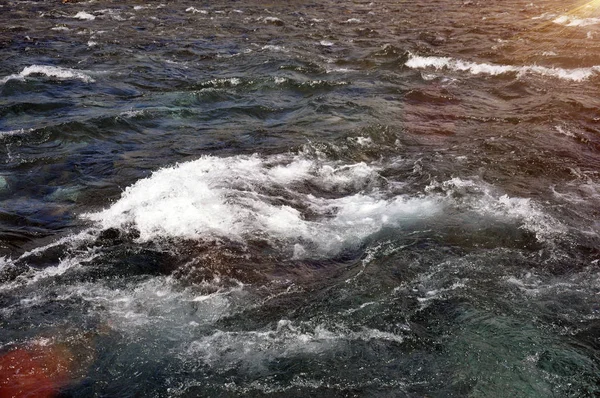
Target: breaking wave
{"x": 304, "y": 205}
{"x": 457, "y": 65}
{"x": 55, "y": 72}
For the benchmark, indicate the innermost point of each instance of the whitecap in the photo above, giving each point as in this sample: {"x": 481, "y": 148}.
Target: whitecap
{"x": 245, "y": 198}
{"x": 564, "y": 131}
{"x": 8, "y": 133}
{"x": 130, "y": 114}
{"x": 31, "y": 275}
{"x": 576, "y": 74}
{"x": 572, "y": 20}
{"x": 157, "y": 302}
{"x": 484, "y": 200}
{"x": 288, "y": 339}
{"x": 84, "y": 15}
{"x": 49, "y": 71}
{"x": 272, "y": 47}
{"x": 361, "y": 141}
{"x": 195, "y": 10}
{"x": 5, "y": 263}
{"x": 545, "y": 15}
{"x": 273, "y": 20}
{"x": 224, "y": 82}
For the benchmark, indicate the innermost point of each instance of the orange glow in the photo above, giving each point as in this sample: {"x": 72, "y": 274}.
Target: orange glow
{"x": 34, "y": 373}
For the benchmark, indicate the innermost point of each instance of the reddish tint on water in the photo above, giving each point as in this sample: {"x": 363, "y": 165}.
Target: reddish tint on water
{"x": 36, "y": 373}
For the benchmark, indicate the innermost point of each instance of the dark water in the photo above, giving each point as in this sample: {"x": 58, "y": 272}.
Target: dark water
{"x": 228, "y": 198}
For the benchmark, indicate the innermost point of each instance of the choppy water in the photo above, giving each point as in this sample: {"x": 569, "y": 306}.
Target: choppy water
{"x": 302, "y": 199}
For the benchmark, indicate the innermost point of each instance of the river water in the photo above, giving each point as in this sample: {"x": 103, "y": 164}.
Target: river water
{"x": 242, "y": 198}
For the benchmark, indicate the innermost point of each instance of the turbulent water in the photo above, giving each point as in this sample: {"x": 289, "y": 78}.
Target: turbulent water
{"x": 240, "y": 198}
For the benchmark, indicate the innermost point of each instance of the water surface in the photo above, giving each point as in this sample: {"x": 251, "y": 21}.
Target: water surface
{"x": 301, "y": 199}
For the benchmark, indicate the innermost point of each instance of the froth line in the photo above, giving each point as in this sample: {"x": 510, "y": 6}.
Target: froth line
{"x": 576, "y": 74}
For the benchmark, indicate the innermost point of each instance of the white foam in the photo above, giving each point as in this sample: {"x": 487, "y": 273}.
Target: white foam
{"x": 338, "y": 70}
{"x": 564, "y": 131}
{"x": 5, "y": 263}
{"x": 33, "y": 275}
{"x": 584, "y": 284}
{"x": 583, "y": 190}
{"x": 194, "y": 10}
{"x": 483, "y": 199}
{"x": 84, "y": 15}
{"x": 254, "y": 348}
{"x": 49, "y": 71}
{"x": 545, "y": 15}
{"x": 64, "y": 265}
{"x": 273, "y": 20}
{"x": 73, "y": 241}
{"x": 576, "y": 74}
{"x": 362, "y": 141}
{"x": 572, "y": 20}
{"x": 326, "y": 43}
{"x": 233, "y": 81}
{"x": 248, "y": 197}
{"x": 272, "y": 47}
{"x": 157, "y": 302}
{"x": 14, "y": 132}
{"x": 112, "y": 13}
{"x": 132, "y": 113}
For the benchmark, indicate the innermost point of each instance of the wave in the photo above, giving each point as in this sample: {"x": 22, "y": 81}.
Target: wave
{"x": 571, "y": 20}
{"x": 249, "y": 198}
{"x": 484, "y": 200}
{"x": 301, "y": 206}
{"x": 287, "y": 340}
{"x": 84, "y": 16}
{"x": 306, "y": 208}
{"x": 195, "y": 10}
{"x": 576, "y": 74}
{"x": 568, "y": 20}
{"x": 10, "y": 133}
{"x": 55, "y": 72}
